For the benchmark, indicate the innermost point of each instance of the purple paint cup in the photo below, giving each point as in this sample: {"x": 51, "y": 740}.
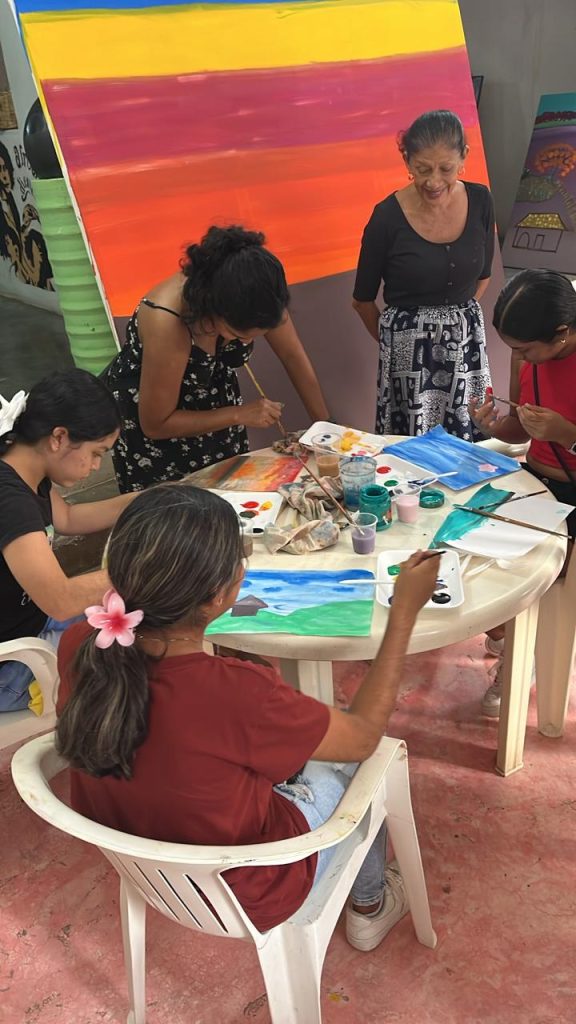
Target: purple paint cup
{"x": 364, "y": 533}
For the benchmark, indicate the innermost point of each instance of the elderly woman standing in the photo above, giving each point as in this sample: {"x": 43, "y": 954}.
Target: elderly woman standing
{"x": 431, "y": 243}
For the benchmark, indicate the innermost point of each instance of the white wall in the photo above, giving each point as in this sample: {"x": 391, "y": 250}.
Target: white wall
{"x": 523, "y": 48}
{"x": 23, "y": 96}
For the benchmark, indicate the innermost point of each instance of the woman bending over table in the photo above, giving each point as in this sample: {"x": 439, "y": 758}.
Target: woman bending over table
{"x": 56, "y": 435}
{"x": 431, "y": 243}
{"x": 535, "y": 315}
{"x": 170, "y": 743}
{"x": 175, "y": 378}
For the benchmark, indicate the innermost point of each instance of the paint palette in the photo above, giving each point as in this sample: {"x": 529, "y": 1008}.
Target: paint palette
{"x": 394, "y": 473}
{"x": 342, "y": 440}
{"x": 449, "y": 592}
{"x": 259, "y": 508}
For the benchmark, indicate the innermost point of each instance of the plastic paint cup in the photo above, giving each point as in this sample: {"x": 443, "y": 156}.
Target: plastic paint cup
{"x": 355, "y": 473}
{"x": 327, "y": 463}
{"x": 408, "y": 507}
{"x": 364, "y": 533}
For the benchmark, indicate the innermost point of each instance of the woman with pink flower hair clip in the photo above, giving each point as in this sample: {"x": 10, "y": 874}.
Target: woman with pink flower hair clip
{"x": 171, "y": 743}
{"x": 55, "y": 435}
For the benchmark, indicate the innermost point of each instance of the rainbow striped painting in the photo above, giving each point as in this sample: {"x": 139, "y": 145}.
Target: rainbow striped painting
{"x": 278, "y": 115}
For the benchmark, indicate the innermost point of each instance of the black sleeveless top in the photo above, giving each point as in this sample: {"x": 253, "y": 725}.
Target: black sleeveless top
{"x": 209, "y": 382}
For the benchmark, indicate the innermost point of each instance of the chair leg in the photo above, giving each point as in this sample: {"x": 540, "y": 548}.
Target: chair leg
{"x": 402, "y": 831}
{"x": 291, "y": 963}
{"x": 133, "y": 917}
{"x": 555, "y": 647}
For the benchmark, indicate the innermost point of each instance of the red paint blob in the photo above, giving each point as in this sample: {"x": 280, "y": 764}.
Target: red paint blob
{"x": 383, "y": 469}
{"x": 250, "y": 504}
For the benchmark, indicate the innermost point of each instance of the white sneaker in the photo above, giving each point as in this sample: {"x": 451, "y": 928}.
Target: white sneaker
{"x": 366, "y": 932}
{"x": 492, "y": 699}
{"x": 495, "y": 647}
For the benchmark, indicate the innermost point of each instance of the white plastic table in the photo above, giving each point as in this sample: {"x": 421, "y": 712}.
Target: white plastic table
{"x": 493, "y": 597}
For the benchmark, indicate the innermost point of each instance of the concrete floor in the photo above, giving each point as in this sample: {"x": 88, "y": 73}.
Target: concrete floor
{"x": 501, "y": 873}
{"x": 33, "y": 343}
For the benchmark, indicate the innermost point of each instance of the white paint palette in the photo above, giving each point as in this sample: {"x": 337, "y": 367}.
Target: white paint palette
{"x": 342, "y": 440}
{"x": 449, "y": 592}
{"x": 395, "y": 473}
{"x": 260, "y": 509}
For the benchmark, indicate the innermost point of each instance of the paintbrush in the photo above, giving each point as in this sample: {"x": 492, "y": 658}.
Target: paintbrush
{"x": 512, "y": 522}
{"x": 427, "y": 555}
{"x": 505, "y": 401}
{"x": 517, "y": 497}
{"x": 317, "y": 479}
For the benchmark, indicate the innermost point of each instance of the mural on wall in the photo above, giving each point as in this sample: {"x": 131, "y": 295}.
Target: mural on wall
{"x": 22, "y": 244}
{"x": 542, "y": 230}
{"x": 282, "y": 116}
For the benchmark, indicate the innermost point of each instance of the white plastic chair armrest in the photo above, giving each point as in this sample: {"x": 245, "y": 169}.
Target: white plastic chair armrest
{"x": 37, "y": 762}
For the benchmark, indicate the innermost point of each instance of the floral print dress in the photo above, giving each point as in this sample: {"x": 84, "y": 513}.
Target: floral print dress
{"x": 209, "y": 382}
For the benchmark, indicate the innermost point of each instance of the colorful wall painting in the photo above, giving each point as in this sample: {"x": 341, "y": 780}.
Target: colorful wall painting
{"x": 441, "y": 452}
{"x": 542, "y": 231}
{"x": 279, "y": 114}
{"x": 301, "y": 603}
{"x": 249, "y": 473}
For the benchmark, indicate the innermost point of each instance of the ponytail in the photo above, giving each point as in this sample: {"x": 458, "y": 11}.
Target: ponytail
{"x": 106, "y": 717}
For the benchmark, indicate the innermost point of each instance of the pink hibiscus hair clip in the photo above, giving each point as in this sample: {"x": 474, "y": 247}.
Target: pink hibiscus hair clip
{"x": 113, "y": 621}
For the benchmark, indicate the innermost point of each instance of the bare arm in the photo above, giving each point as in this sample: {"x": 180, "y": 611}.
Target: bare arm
{"x": 286, "y": 344}
{"x": 34, "y": 565}
{"x": 369, "y": 315}
{"x": 165, "y": 352}
{"x": 481, "y": 288}
{"x": 90, "y": 517}
{"x": 353, "y": 736}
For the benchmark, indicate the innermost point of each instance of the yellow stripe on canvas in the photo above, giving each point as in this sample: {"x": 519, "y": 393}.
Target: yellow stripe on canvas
{"x": 170, "y": 41}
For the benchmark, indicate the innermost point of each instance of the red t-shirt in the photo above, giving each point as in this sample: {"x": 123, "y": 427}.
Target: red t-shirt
{"x": 222, "y": 733}
{"x": 557, "y": 390}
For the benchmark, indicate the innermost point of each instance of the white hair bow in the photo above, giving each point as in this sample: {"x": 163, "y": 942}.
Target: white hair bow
{"x": 11, "y": 410}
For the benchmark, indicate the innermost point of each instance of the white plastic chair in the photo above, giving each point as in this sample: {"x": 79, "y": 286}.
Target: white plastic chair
{"x": 186, "y": 885}
{"x": 41, "y": 659}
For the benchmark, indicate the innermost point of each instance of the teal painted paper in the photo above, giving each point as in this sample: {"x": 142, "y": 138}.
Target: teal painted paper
{"x": 458, "y": 523}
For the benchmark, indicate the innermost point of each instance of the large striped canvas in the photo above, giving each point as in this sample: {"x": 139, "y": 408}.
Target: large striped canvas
{"x": 281, "y": 116}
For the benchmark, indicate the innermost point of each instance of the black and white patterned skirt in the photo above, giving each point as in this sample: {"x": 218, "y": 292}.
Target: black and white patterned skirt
{"x": 432, "y": 362}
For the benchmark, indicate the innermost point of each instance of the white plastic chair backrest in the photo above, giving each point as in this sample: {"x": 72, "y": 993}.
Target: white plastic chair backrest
{"x": 41, "y": 659}
{"x": 183, "y": 881}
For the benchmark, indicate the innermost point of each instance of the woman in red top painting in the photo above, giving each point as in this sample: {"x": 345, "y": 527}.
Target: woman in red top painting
{"x": 168, "y": 742}
{"x": 535, "y": 315}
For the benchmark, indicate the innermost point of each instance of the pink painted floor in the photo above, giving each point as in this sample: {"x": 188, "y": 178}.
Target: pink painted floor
{"x": 500, "y": 859}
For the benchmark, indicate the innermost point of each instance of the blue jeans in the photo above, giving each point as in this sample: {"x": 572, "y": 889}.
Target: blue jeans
{"x": 317, "y": 793}
{"x": 15, "y": 677}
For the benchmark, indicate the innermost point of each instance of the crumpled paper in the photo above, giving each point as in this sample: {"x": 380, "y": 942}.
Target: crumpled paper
{"x": 299, "y": 540}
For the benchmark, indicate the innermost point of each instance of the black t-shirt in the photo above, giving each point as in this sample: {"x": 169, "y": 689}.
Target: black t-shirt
{"x": 22, "y": 511}
{"x": 421, "y": 273}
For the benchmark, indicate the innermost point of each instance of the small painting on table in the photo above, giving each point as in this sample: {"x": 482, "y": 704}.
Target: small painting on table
{"x": 249, "y": 473}
{"x": 461, "y": 463}
{"x": 302, "y": 603}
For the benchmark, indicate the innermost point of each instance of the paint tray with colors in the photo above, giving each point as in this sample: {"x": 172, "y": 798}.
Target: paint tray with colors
{"x": 259, "y": 508}
{"x": 440, "y": 452}
{"x": 300, "y": 602}
{"x": 342, "y": 440}
{"x": 394, "y": 472}
{"x": 448, "y": 593}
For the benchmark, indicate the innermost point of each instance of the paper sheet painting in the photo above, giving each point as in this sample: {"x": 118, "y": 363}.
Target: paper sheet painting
{"x": 441, "y": 452}
{"x": 302, "y": 603}
{"x": 249, "y": 473}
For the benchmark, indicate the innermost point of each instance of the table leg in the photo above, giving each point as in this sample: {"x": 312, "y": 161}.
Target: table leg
{"x": 516, "y": 680}
{"x": 555, "y": 647}
{"x": 314, "y": 678}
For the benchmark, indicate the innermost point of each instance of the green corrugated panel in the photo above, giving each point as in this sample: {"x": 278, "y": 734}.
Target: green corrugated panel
{"x": 91, "y": 339}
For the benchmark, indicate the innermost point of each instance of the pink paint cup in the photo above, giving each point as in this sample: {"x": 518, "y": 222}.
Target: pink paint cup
{"x": 408, "y": 507}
